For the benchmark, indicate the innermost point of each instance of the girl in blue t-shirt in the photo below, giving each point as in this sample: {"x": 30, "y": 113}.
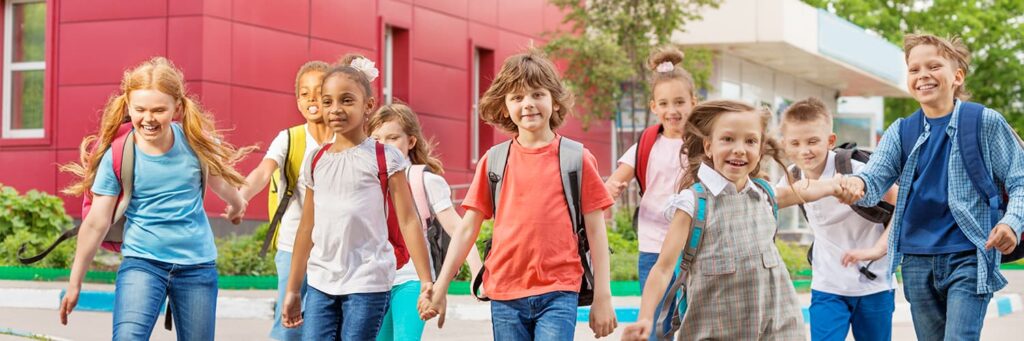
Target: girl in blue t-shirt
{"x": 168, "y": 244}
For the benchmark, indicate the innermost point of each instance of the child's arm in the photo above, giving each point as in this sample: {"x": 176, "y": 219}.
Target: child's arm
{"x": 258, "y": 179}
{"x": 94, "y": 227}
{"x": 659, "y": 277}
{"x": 450, "y": 220}
{"x": 291, "y": 311}
{"x": 412, "y": 228}
{"x": 226, "y": 192}
{"x": 619, "y": 179}
{"x": 868, "y": 186}
{"x": 881, "y": 247}
{"x": 806, "y": 189}
{"x": 602, "y": 315}
{"x": 434, "y": 304}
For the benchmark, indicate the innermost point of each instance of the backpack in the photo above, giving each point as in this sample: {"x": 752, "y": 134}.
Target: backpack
{"x": 293, "y": 162}
{"x": 969, "y": 130}
{"x": 845, "y": 154}
{"x": 643, "y": 156}
{"x": 693, "y": 239}
{"x": 570, "y": 156}
{"x": 437, "y": 238}
{"x": 394, "y": 231}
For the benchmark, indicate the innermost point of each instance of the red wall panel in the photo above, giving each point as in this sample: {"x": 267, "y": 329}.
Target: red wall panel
{"x": 99, "y": 52}
{"x": 95, "y": 10}
{"x": 522, "y": 16}
{"x": 35, "y": 170}
{"x": 430, "y": 28}
{"x": 72, "y": 204}
{"x": 440, "y": 91}
{"x": 182, "y": 35}
{"x": 484, "y": 11}
{"x": 79, "y": 109}
{"x": 456, "y": 8}
{"x": 331, "y": 52}
{"x": 291, "y": 16}
{"x": 266, "y": 59}
{"x": 351, "y": 22}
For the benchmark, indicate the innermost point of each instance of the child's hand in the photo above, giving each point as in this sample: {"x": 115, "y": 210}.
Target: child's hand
{"x": 68, "y": 303}
{"x": 436, "y": 307}
{"x": 1002, "y": 238}
{"x": 639, "y": 331}
{"x": 853, "y": 257}
{"x": 291, "y": 311}
{"x": 234, "y": 213}
{"x": 602, "y": 317}
{"x": 615, "y": 187}
{"x": 853, "y": 190}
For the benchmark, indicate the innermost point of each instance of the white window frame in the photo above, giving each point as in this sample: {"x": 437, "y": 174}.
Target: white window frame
{"x": 8, "y": 72}
{"x": 474, "y": 115}
{"x": 389, "y": 65}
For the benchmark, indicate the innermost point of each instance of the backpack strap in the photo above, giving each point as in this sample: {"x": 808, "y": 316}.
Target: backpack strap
{"x": 278, "y": 203}
{"x": 570, "y": 164}
{"x": 417, "y": 182}
{"x": 771, "y": 194}
{"x": 969, "y": 130}
{"x": 316, "y": 158}
{"x": 844, "y": 159}
{"x": 497, "y": 159}
{"x": 643, "y": 154}
{"x": 910, "y": 129}
{"x": 678, "y": 287}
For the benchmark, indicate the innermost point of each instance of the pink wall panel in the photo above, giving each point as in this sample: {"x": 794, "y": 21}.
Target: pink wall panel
{"x": 84, "y": 45}
{"x": 398, "y": 13}
{"x": 266, "y": 59}
{"x": 185, "y": 7}
{"x": 440, "y": 91}
{"x": 36, "y": 170}
{"x": 510, "y": 43}
{"x": 93, "y": 10}
{"x": 484, "y": 11}
{"x": 351, "y": 22}
{"x": 522, "y": 16}
{"x": 72, "y": 204}
{"x": 216, "y": 50}
{"x": 217, "y": 8}
{"x": 451, "y": 146}
{"x": 483, "y": 35}
{"x": 456, "y": 8}
{"x": 440, "y": 38}
{"x": 331, "y": 52}
{"x": 291, "y": 16}
{"x": 79, "y": 109}
{"x": 182, "y": 35}
{"x": 553, "y": 19}
{"x": 216, "y": 100}
{"x": 259, "y": 115}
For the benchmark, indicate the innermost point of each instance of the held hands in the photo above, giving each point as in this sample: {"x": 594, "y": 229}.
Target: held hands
{"x": 602, "y": 317}
{"x": 1002, "y": 238}
{"x": 852, "y": 189}
{"x": 615, "y": 187}
{"x": 291, "y": 312}
{"x": 234, "y": 213}
{"x": 639, "y": 331}
{"x": 432, "y": 303}
{"x": 68, "y": 303}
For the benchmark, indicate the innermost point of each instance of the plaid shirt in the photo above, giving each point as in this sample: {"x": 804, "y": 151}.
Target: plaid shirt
{"x": 1004, "y": 158}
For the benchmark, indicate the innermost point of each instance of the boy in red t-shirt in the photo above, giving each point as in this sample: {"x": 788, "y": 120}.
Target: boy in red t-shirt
{"x": 533, "y": 272}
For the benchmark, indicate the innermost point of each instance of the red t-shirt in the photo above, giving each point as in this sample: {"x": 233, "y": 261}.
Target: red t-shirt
{"x": 534, "y": 247}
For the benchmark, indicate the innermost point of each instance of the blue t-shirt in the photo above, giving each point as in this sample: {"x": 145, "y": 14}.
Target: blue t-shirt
{"x": 165, "y": 219}
{"x": 928, "y": 224}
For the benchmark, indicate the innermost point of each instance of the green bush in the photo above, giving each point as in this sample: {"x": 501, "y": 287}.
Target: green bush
{"x": 240, "y": 255}
{"x": 795, "y": 257}
{"x": 37, "y": 219}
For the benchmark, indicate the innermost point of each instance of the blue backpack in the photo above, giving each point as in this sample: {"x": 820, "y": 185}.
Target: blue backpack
{"x": 969, "y": 129}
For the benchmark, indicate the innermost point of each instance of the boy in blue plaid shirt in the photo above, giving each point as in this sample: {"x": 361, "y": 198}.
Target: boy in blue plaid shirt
{"x": 950, "y": 252}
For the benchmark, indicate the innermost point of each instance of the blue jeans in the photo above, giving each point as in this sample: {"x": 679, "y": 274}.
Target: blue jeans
{"x": 344, "y": 317}
{"x": 283, "y": 261}
{"x": 143, "y": 284}
{"x": 870, "y": 315}
{"x": 942, "y": 291}
{"x": 644, "y": 265}
{"x": 550, "y": 316}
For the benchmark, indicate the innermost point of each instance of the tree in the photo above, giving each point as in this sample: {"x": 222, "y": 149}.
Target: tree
{"x": 991, "y": 29}
{"x": 607, "y": 44}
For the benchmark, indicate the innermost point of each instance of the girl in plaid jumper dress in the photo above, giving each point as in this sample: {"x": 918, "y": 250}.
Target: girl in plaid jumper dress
{"x": 738, "y": 287}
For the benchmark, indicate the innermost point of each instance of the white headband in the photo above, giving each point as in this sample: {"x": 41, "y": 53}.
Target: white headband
{"x": 665, "y": 67}
{"x": 365, "y": 66}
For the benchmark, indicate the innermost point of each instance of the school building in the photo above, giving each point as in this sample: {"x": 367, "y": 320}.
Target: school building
{"x": 62, "y": 59}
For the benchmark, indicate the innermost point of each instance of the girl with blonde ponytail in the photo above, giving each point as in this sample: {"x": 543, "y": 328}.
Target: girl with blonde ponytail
{"x": 168, "y": 244}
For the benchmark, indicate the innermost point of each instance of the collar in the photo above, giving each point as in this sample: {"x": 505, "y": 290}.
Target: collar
{"x": 718, "y": 184}
{"x": 951, "y": 127}
{"x": 830, "y": 166}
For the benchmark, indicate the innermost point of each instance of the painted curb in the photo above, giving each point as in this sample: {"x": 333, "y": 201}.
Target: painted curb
{"x": 30, "y": 335}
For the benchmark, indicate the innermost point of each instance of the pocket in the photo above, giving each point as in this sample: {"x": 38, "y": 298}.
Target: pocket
{"x": 718, "y": 265}
{"x": 770, "y": 259}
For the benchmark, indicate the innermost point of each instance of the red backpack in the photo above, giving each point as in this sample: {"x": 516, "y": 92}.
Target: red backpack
{"x": 643, "y": 154}
{"x": 394, "y": 231}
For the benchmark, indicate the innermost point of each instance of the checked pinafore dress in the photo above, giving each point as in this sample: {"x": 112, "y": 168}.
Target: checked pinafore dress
{"x": 738, "y": 288}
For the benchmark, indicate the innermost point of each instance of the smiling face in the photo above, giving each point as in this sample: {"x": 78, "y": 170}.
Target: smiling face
{"x": 308, "y": 96}
{"x": 672, "y": 102}
{"x": 530, "y": 109}
{"x": 807, "y": 144}
{"x": 932, "y": 79}
{"x": 345, "y": 104}
{"x": 734, "y": 146}
{"x": 392, "y": 133}
{"x": 151, "y": 112}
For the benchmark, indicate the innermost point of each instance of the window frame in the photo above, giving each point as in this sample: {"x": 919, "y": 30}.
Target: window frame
{"x": 10, "y": 67}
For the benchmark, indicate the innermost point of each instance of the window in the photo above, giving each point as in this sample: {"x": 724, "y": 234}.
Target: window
{"x": 483, "y": 72}
{"x": 395, "y": 81}
{"x": 24, "y": 68}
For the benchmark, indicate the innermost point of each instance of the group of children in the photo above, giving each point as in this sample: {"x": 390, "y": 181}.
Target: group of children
{"x": 359, "y": 186}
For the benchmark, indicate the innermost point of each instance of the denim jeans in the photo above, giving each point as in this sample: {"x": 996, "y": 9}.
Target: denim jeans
{"x": 869, "y": 315}
{"x": 143, "y": 284}
{"x": 283, "y": 261}
{"x": 644, "y": 265}
{"x": 942, "y": 291}
{"x": 550, "y": 316}
{"x": 343, "y": 317}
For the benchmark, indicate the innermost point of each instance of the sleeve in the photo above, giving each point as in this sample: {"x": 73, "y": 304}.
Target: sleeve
{"x": 478, "y": 196}
{"x": 106, "y": 182}
{"x": 439, "y": 191}
{"x": 682, "y": 201}
{"x": 1007, "y": 164}
{"x": 306, "y": 170}
{"x": 278, "y": 149}
{"x": 782, "y": 179}
{"x": 629, "y": 157}
{"x": 395, "y": 160}
{"x": 884, "y": 168}
{"x": 595, "y": 196}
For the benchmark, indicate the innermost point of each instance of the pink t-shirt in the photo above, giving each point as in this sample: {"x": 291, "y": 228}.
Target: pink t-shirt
{"x": 664, "y": 169}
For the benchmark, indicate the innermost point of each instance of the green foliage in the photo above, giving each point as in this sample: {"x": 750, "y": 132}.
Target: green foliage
{"x": 37, "y": 219}
{"x": 795, "y": 257}
{"x": 992, "y": 31}
{"x": 240, "y": 255}
{"x": 607, "y": 44}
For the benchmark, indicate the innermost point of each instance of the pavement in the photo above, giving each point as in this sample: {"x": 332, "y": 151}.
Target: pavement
{"x": 467, "y": 319}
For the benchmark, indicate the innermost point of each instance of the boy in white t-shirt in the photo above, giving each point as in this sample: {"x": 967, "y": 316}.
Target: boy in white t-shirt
{"x": 841, "y": 296}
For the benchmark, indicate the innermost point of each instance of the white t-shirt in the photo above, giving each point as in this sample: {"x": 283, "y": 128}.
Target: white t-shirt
{"x": 664, "y": 168}
{"x": 278, "y": 151}
{"x": 837, "y": 229}
{"x": 440, "y": 199}
{"x": 351, "y": 253}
